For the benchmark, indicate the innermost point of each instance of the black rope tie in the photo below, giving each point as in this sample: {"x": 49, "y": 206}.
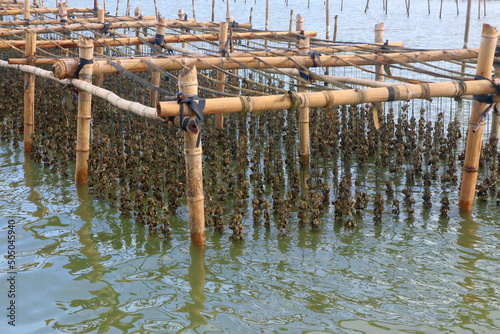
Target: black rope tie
{"x": 159, "y": 39}
{"x": 105, "y": 27}
{"x": 316, "y": 56}
{"x": 82, "y": 62}
{"x": 197, "y": 108}
{"x": 488, "y": 99}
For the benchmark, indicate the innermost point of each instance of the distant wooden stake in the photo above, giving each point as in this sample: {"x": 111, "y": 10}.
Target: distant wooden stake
{"x": 486, "y": 55}
{"x": 221, "y": 76}
{"x": 188, "y": 85}
{"x": 86, "y": 51}
{"x": 29, "y": 93}
{"x": 335, "y": 28}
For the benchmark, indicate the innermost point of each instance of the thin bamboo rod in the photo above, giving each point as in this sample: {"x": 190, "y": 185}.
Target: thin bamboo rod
{"x": 138, "y": 12}
{"x": 80, "y": 20}
{"x": 29, "y": 94}
{"x": 100, "y": 50}
{"x": 86, "y": 51}
{"x": 487, "y": 47}
{"x": 221, "y": 76}
{"x": 495, "y": 116}
{"x": 188, "y": 85}
{"x": 402, "y": 92}
{"x": 67, "y": 68}
{"x": 13, "y": 12}
{"x": 304, "y": 49}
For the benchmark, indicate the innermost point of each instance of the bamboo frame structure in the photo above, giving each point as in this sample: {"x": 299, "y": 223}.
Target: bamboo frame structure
{"x": 489, "y": 39}
{"x": 155, "y": 75}
{"x": 86, "y": 50}
{"x": 29, "y": 94}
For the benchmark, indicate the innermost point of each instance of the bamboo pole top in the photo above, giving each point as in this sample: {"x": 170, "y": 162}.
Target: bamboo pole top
{"x": 489, "y": 31}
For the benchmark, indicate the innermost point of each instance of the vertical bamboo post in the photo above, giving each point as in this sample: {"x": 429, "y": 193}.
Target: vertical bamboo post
{"x": 213, "y": 10}
{"x": 304, "y": 49}
{"x": 251, "y": 15}
{"x": 194, "y": 10}
{"x": 495, "y": 117}
{"x": 441, "y": 9}
{"x": 156, "y": 10}
{"x": 27, "y": 11}
{"x": 485, "y": 58}
{"x": 479, "y": 9}
{"x": 429, "y": 7}
{"x": 379, "y": 71}
{"x": 138, "y": 14}
{"x": 96, "y": 5}
{"x": 458, "y": 12}
{"x": 466, "y": 34}
{"x": 267, "y": 15}
{"x": 188, "y": 85}
{"x": 221, "y": 76}
{"x": 290, "y": 27}
{"x": 335, "y": 28}
{"x": 181, "y": 16}
{"x": 86, "y": 51}
{"x": 127, "y": 10}
{"x": 117, "y": 7}
{"x": 161, "y": 26}
{"x": 99, "y": 49}
{"x": 29, "y": 92}
{"x": 327, "y": 19}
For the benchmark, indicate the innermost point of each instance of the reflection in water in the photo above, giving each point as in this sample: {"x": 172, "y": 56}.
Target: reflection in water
{"x": 34, "y": 196}
{"x": 196, "y": 276}
{"x": 467, "y": 239}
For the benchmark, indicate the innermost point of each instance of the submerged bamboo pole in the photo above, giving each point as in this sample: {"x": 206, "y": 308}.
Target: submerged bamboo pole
{"x": 379, "y": 70}
{"x": 303, "y": 46}
{"x": 66, "y": 68}
{"x": 489, "y": 39}
{"x": 401, "y": 92}
{"x": 188, "y": 85}
{"x": 221, "y": 76}
{"x": 155, "y": 75}
{"x": 29, "y": 94}
{"x": 86, "y": 50}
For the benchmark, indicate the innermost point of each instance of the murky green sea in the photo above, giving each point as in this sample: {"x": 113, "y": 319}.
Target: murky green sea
{"x": 82, "y": 268}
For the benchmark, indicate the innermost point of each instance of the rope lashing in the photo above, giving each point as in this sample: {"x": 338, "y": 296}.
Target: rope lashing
{"x": 136, "y": 78}
{"x": 159, "y": 39}
{"x": 245, "y": 105}
{"x": 105, "y": 27}
{"x": 317, "y": 56}
{"x": 295, "y": 99}
{"x": 488, "y": 99}
{"x": 197, "y": 108}
{"x": 63, "y": 21}
{"x": 82, "y": 62}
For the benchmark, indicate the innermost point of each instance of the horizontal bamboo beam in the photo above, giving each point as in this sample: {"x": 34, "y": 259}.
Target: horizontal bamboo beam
{"x": 35, "y": 10}
{"x": 67, "y": 68}
{"x": 115, "y": 100}
{"x": 192, "y": 53}
{"x": 52, "y": 44}
{"x": 71, "y": 21}
{"x": 112, "y": 25}
{"x": 403, "y": 92}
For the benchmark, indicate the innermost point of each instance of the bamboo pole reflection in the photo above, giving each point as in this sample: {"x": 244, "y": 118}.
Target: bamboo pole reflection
{"x": 34, "y": 196}
{"x": 196, "y": 276}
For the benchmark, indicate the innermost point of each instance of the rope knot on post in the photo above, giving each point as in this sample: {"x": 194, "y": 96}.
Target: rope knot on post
{"x": 488, "y": 99}
{"x": 197, "y": 108}
{"x": 295, "y": 99}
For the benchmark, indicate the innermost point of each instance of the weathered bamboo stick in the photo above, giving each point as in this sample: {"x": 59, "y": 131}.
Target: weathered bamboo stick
{"x": 495, "y": 116}
{"x": 67, "y": 68}
{"x": 379, "y": 70}
{"x": 402, "y": 92}
{"x": 336, "y": 19}
{"x": 181, "y": 16}
{"x": 221, "y": 76}
{"x": 137, "y": 12}
{"x": 269, "y": 53}
{"x": 489, "y": 39}
{"x": 100, "y": 50}
{"x": 327, "y": 19}
{"x": 188, "y": 85}
{"x": 13, "y": 12}
{"x": 54, "y": 44}
{"x": 29, "y": 94}
{"x": 27, "y": 11}
{"x": 86, "y": 50}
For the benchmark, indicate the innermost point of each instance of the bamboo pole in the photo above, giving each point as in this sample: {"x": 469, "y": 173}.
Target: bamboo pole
{"x": 441, "y": 9}
{"x": 479, "y": 9}
{"x": 489, "y": 38}
{"x": 213, "y": 10}
{"x": 188, "y": 85}
{"x": 304, "y": 49}
{"x": 86, "y": 50}
{"x": 54, "y": 44}
{"x": 100, "y": 50}
{"x": 155, "y": 75}
{"x": 194, "y": 10}
{"x": 221, "y": 76}
{"x": 267, "y": 15}
{"x": 336, "y": 19}
{"x": 29, "y": 94}
{"x": 20, "y": 11}
{"x": 495, "y": 116}
{"x": 27, "y": 12}
{"x": 269, "y": 53}
{"x": 401, "y": 92}
{"x": 137, "y": 13}
{"x": 66, "y": 68}
{"x": 379, "y": 70}
{"x": 80, "y": 20}
{"x": 327, "y": 19}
